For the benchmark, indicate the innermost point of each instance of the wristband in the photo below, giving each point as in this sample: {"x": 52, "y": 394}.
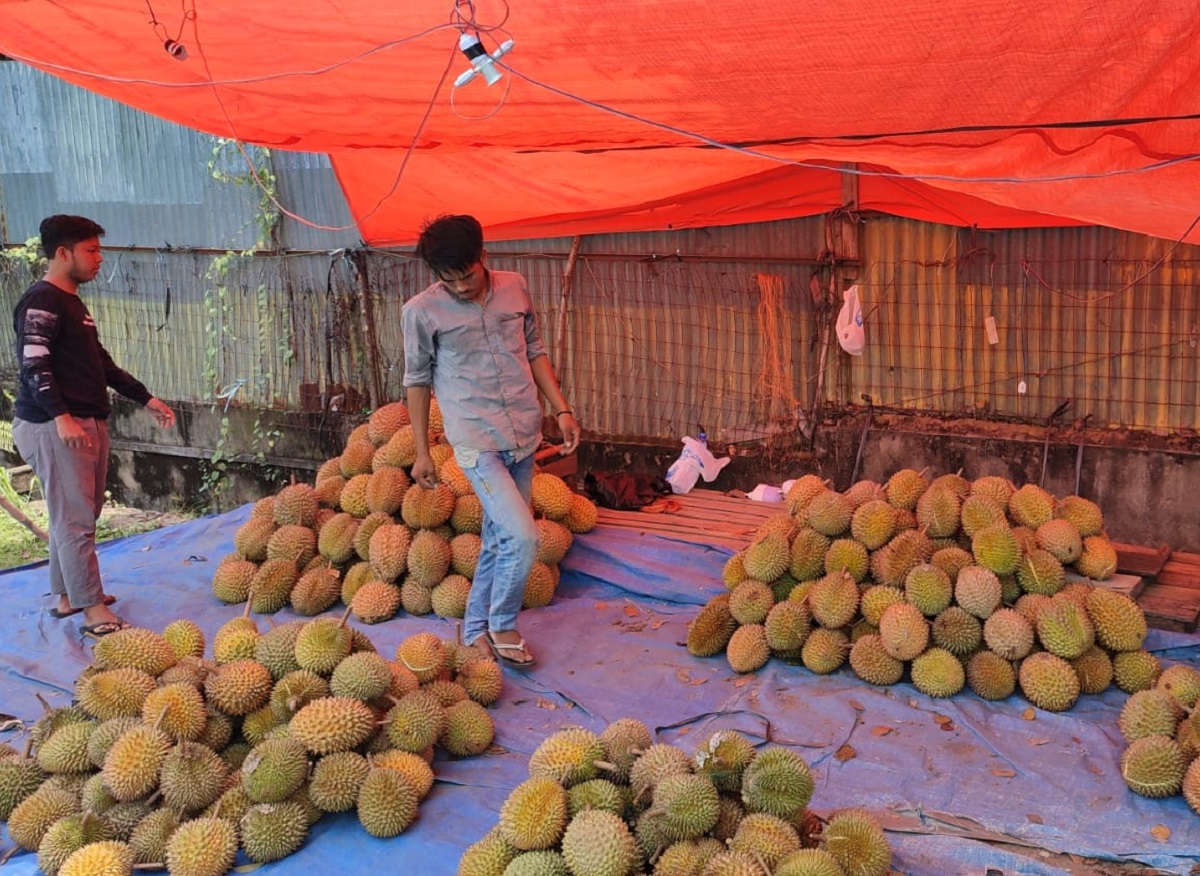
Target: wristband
{"x": 564, "y": 411}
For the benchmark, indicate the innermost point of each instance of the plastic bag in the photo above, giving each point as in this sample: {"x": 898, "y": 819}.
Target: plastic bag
{"x": 695, "y": 462}
{"x": 850, "y": 332}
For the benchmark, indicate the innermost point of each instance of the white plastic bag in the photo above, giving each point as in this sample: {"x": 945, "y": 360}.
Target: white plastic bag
{"x": 694, "y": 462}
{"x": 850, "y": 332}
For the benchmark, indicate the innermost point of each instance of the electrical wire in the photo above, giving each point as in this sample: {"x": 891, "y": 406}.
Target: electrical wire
{"x": 270, "y": 194}
{"x": 854, "y": 171}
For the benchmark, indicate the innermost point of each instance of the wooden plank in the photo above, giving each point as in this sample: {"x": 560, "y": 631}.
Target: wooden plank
{"x": 732, "y": 544}
{"x": 1175, "y": 574}
{"x": 1171, "y": 608}
{"x": 1131, "y": 585}
{"x": 1141, "y": 559}
{"x": 1185, "y": 558}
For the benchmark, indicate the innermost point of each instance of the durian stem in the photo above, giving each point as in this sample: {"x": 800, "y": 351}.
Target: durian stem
{"x": 345, "y": 618}
{"x": 4, "y": 858}
{"x": 149, "y": 866}
{"x": 46, "y": 707}
{"x": 762, "y": 863}
{"x": 604, "y": 765}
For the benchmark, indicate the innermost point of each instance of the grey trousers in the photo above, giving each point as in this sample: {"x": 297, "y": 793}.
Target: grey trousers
{"x": 73, "y": 484}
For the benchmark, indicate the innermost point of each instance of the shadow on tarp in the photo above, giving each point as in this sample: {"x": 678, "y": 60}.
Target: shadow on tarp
{"x": 612, "y": 646}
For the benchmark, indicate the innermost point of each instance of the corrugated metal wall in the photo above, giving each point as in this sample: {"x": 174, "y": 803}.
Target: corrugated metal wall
{"x": 1102, "y": 317}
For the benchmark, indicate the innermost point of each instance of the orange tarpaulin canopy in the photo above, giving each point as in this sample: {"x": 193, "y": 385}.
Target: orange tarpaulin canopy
{"x": 624, "y": 115}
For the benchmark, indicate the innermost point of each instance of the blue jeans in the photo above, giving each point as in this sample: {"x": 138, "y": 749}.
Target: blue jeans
{"x": 509, "y": 543}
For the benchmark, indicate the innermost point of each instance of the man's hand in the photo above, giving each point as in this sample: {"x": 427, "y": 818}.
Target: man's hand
{"x": 424, "y": 472}
{"x": 72, "y": 434}
{"x": 164, "y": 416}
{"x": 570, "y": 430}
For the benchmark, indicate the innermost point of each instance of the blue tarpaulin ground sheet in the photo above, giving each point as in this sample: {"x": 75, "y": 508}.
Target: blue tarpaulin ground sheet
{"x": 963, "y": 786}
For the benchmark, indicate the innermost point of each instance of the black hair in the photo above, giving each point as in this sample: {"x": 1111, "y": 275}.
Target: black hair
{"x": 451, "y": 244}
{"x": 62, "y": 230}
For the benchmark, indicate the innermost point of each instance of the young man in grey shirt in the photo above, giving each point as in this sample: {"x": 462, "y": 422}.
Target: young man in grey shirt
{"x": 472, "y": 338}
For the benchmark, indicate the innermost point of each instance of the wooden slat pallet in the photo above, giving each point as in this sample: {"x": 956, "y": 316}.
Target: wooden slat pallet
{"x": 1136, "y": 559}
{"x": 1172, "y": 600}
{"x": 704, "y": 517}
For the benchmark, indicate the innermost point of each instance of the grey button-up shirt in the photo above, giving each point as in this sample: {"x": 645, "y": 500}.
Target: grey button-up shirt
{"x": 476, "y": 357}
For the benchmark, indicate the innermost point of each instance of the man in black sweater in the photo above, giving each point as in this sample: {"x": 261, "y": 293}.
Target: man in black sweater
{"x": 60, "y": 416}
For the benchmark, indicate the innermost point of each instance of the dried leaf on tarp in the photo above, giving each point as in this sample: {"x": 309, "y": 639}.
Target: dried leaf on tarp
{"x": 701, "y": 680}
{"x": 1038, "y": 741}
{"x": 657, "y": 624}
{"x": 882, "y": 731}
{"x": 246, "y": 868}
{"x": 684, "y": 676}
{"x": 1160, "y": 832}
{"x": 856, "y": 705}
{"x": 600, "y": 606}
{"x": 631, "y": 610}
{"x": 743, "y": 681}
{"x": 845, "y": 753}
{"x": 1003, "y": 773}
{"x": 1095, "y": 770}
{"x": 1029, "y": 714}
{"x": 943, "y": 719}
{"x": 634, "y": 628}
{"x": 543, "y": 703}
{"x": 1034, "y": 818}
{"x": 684, "y": 731}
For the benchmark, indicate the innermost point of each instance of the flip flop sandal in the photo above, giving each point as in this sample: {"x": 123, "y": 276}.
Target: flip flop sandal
{"x": 504, "y": 651}
{"x": 109, "y": 599}
{"x": 658, "y": 506}
{"x": 104, "y": 628}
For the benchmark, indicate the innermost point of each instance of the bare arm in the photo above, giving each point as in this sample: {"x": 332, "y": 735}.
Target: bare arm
{"x": 543, "y": 376}
{"x": 424, "y": 472}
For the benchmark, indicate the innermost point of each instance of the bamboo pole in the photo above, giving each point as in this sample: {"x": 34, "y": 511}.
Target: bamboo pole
{"x": 560, "y": 321}
{"x": 367, "y": 316}
{"x": 18, "y": 515}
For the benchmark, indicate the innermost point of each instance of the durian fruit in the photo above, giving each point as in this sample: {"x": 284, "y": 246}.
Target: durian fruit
{"x": 177, "y": 709}
{"x": 723, "y": 758}
{"x": 1031, "y": 506}
{"x": 958, "y": 631}
{"x": 685, "y": 806}
{"x": 598, "y": 843}
{"x": 833, "y": 599}
{"x": 778, "y": 782}
{"x": 1095, "y": 670}
{"x": 192, "y": 777}
{"x": 106, "y": 858}
{"x": 928, "y": 588}
{"x": 202, "y": 847}
{"x": 905, "y": 488}
{"x": 322, "y": 643}
{"x": 1119, "y": 621}
{"x": 1064, "y": 628}
{"x": 1009, "y": 634}
{"x": 979, "y": 512}
{"x": 151, "y": 835}
{"x": 415, "y": 722}
{"x": 364, "y": 675}
{"x": 1048, "y": 681}
{"x": 1098, "y": 560}
{"x": 568, "y": 756}
{"x": 134, "y": 647}
{"x": 185, "y": 638}
{"x": 34, "y": 816}
{"x": 767, "y": 558}
{"x": 332, "y": 724}
{"x": 68, "y": 835}
{"x": 767, "y": 838}
{"x": 808, "y": 554}
{"x": 748, "y": 649}
{"x": 134, "y": 761}
{"x": 788, "y": 625}
{"x": 274, "y": 770}
{"x": 873, "y": 664}
{"x": 938, "y": 673}
{"x": 1154, "y": 766}
{"x": 938, "y": 512}
{"x": 296, "y": 505}
{"x": 830, "y": 513}
{"x": 903, "y": 630}
{"x": 469, "y": 729}
{"x": 550, "y": 496}
{"x": 1152, "y": 712}
{"x": 270, "y": 831}
{"x": 1135, "y": 670}
{"x": 856, "y": 841}
{"x": 1060, "y": 539}
{"x": 1182, "y": 682}
{"x": 488, "y": 856}
{"x": 335, "y": 541}
{"x": 534, "y": 815}
{"x": 387, "y": 803}
{"x": 710, "y": 631}
{"x": 825, "y": 650}
{"x": 1040, "y": 572}
{"x": 20, "y": 776}
{"x": 809, "y": 862}
{"x": 250, "y": 539}
{"x": 990, "y": 676}
{"x": 996, "y": 548}
{"x": 336, "y": 779}
{"x": 624, "y": 741}
{"x": 582, "y": 515}
{"x": 238, "y": 688}
{"x": 1084, "y": 514}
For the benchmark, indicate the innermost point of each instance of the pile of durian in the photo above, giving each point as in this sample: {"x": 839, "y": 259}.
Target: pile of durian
{"x": 957, "y": 583}
{"x": 1162, "y": 726}
{"x": 618, "y": 804}
{"x": 362, "y": 536}
{"x": 169, "y": 758}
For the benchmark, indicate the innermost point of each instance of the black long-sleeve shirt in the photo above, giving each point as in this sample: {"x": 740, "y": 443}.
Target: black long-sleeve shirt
{"x": 64, "y": 367}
